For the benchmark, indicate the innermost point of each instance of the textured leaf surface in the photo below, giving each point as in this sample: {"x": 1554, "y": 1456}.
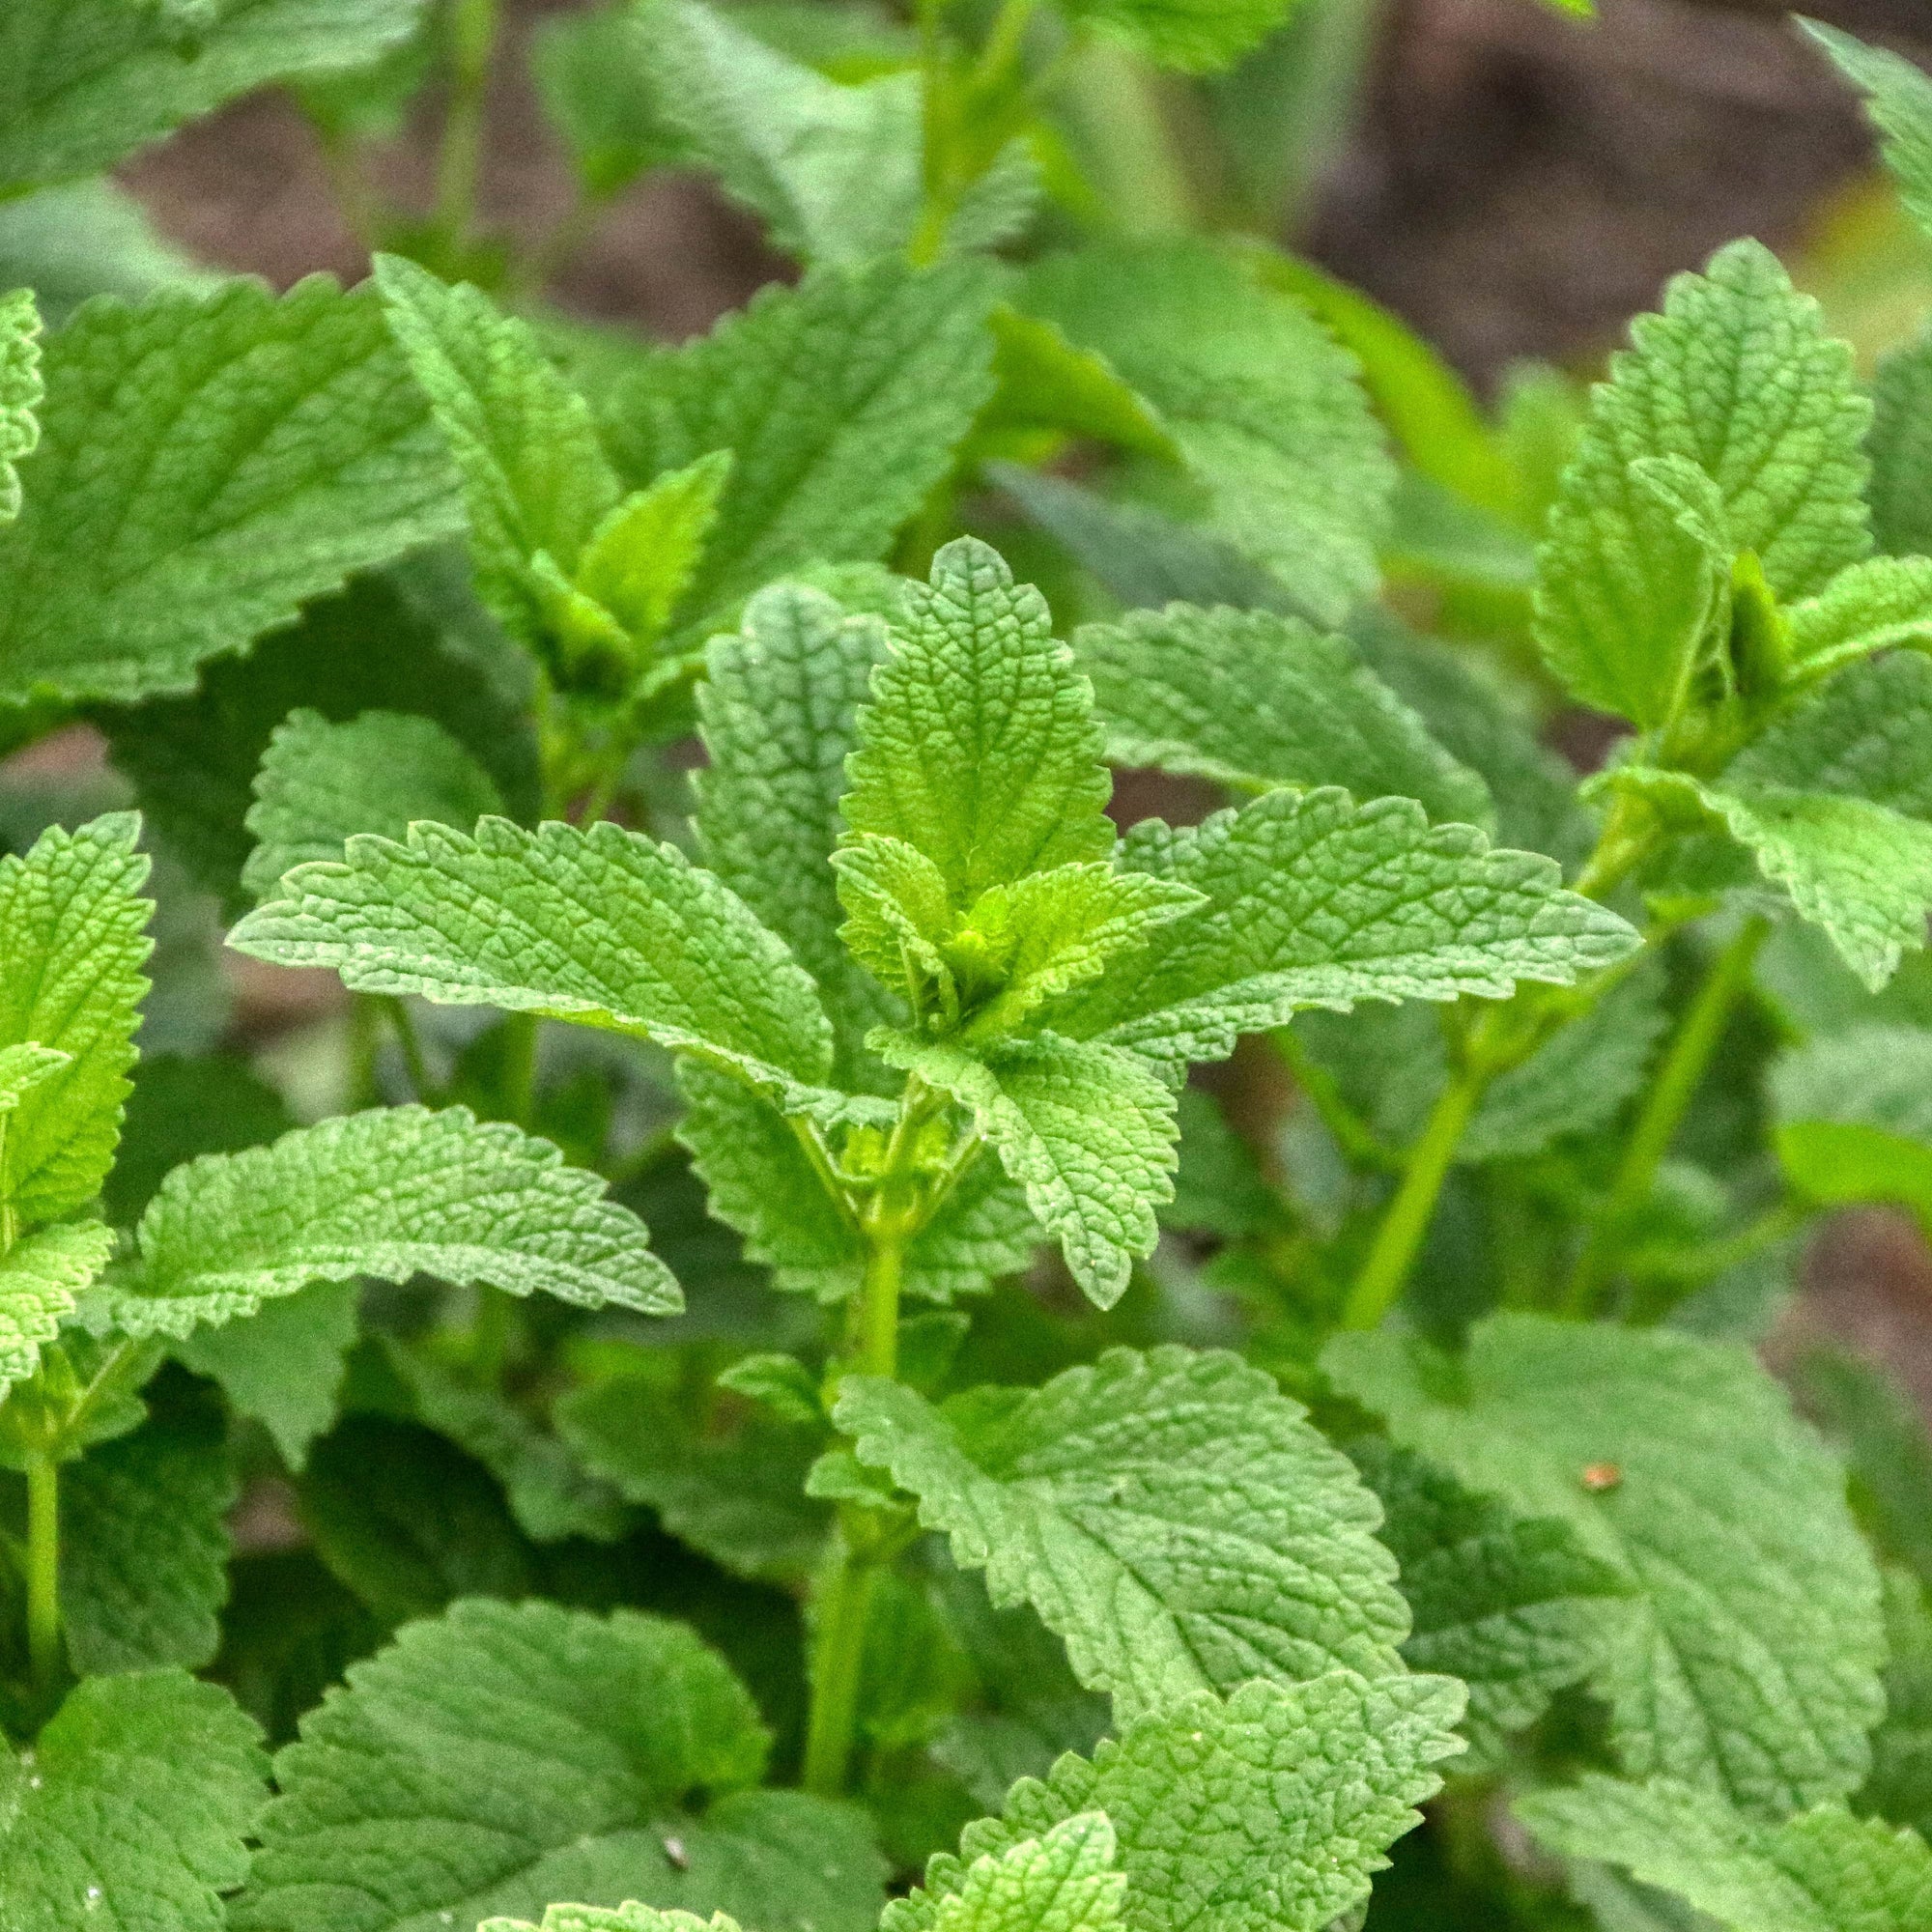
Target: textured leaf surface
{"x": 1748, "y": 1664}
{"x": 1822, "y": 1871}
{"x": 21, "y": 392}
{"x": 144, "y": 1544}
{"x": 833, "y": 170}
{"x": 1315, "y": 902}
{"x": 1088, "y": 1131}
{"x": 85, "y": 82}
{"x": 133, "y": 1812}
{"x": 605, "y": 926}
{"x": 1266, "y": 411}
{"x": 1176, "y": 1519}
{"x": 207, "y": 464}
{"x": 42, "y": 1276}
{"x": 501, "y": 1757}
{"x": 630, "y": 1917}
{"x": 1192, "y": 35}
{"x": 534, "y": 475}
{"x": 73, "y": 943}
{"x": 1063, "y": 1882}
{"x": 1898, "y": 98}
{"x": 842, "y": 401}
{"x": 978, "y": 747}
{"x": 1901, "y": 449}
{"x": 1515, "y": 1606}
{"x": 779, "y": 708}
{"x": 1736, "y": 381}
{"x": 1264, "y": 1813}
{"x": 761, "y": 1183}
{"x": 1255, "y": 700}
{"x": 321, "y": 784}
{"x": 1884, "y": 602}
{"x": 391, "y": 1193}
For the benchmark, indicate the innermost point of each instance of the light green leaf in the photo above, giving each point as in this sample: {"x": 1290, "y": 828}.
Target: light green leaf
{"x": 534, "y": 475}
{"x": 630, "y": 1917}
{"x": 1255, "y": 700}
{"x": 1854, "y": 1118}
{"x": 144, "y": 1544}
{"x": 1735, "y": 378}
{"x": 1822, "y": 1871}
{"x": 83, "y": 83}
{"x": 73, "y": 943}
{"x": 1901, "y": 1786}
{"x": 321, "y": 784}
{"x": 1867, "y": 734}
{"x": 1749, "y": 1662}
{"x": 21, "y": 392}
{"x": 1287, "y": 462}
{"x": 1265, "y": 1814}
{"x": 779, "y": 709}
{"x": 1874, "y": 606}
{"x": 1170, "y": 1514}
{"x": 85, "y": 239}
{"x": 834, "y": 171}
{"x": 284, "y": 1365}
{"x": 1898, "y": 98}
{"x": 1087, "y": 1129}
{"x": 1062, "y": 1882}
{"x": 133, "y": 1809}
{"x": 640, "y": 559}
{"x": 736, "y": 1494}
{"x": 842, "y": 401}
{"x": 499, "y": 1757}
{"x": 1046, "y": 384}
{"x": 1901, "y": 449}
{"x": 595, "y": 78}
{"x": 603, "y": 926}
{"x": 1514, "y": 1605}
{"x": 978, "y": 747}
{"x": 390, "y": 1193}
{"x": 206, "y": 465}
{"x": 41, "y": 1277}
{"x": 1195, "y": 35}
{"x": 1314, "y": 901}
{"x": 762, "y": 1182}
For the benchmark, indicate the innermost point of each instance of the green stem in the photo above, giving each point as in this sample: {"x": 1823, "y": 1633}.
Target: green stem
{"x": 1678, "y": 1079}
{"x": 1356, "y": 1139}
{"x": 520, "y": 1067}
{"x": 877, "y": 1337}
{"x": 1398, "y": 1237}
{"x": 43, "y": 1642}
{"x": 411, "y": 1044}
{"x": 459, "y": 162}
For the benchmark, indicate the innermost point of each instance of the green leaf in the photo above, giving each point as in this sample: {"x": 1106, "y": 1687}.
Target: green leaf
{"x": 610, "y": 930}
{"x": 1901, "y": 449}
{"x": 1045, "y": 384}
{"x": 284, "y": 1365}
{"x": 86, "y": 82}
{"x": 133, "y": 1810}
{"x": 1286, "y": 461}
{"x": 1735, "y": 381}
{"x": 779, "y": 710}
{"x": 1822, "y": 1871}
{"x": 1854, "y": 1118}
{"x": 1874, "y": 606}
{"x": 20, "y": 393}
{"x": 390, "y": 1193}
{"x": 206, "y": 465}
{"x": 73, "y": 943}
{"x": 87, "y": 238}
{"x": 501, "y": 1757}
{"x": 1170, "y": 1514}
{"x": 834, "y": 171}
{"x": 41, "y": 1278}
{"x": 1064, "y": 1881}
{"x": 978, "y": 747}
{"x": 321, "y": 784}
{"x": 1901, "y": 1786}
{"x": 737, "y": 1493}
{"x": 1898, "y": 99}
{"x": 1314, "y": 901}
{"x": 1515, "y": 1606}
{"x": 1195, "y": 35}
{"x": 1088, "y": 1131}
{"x": 534, "y": 475}
{"x": 596, "y": 79}
{"x": 627, "y": 1917}
{"x": 144, "y": 1543}
{"x": 762, "y": 1182}
{"x": 640, "y": 559}
{"x": 1255, "y": 700}
{"x": 1747, "y": 1664}
{"x": 1864, "y": 735}
{"x": 1230, "y": 1816}
{"x": 842, "y": 401}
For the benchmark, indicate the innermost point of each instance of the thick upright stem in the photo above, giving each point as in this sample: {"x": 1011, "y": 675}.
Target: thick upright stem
{"x": 1393, "y": 1251}
{"x": 43, "y": 1641}
{"x": 1678, "y": 1079}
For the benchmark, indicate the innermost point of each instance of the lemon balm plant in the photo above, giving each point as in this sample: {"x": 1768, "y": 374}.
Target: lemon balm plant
{"x": 749, "y": 1380}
